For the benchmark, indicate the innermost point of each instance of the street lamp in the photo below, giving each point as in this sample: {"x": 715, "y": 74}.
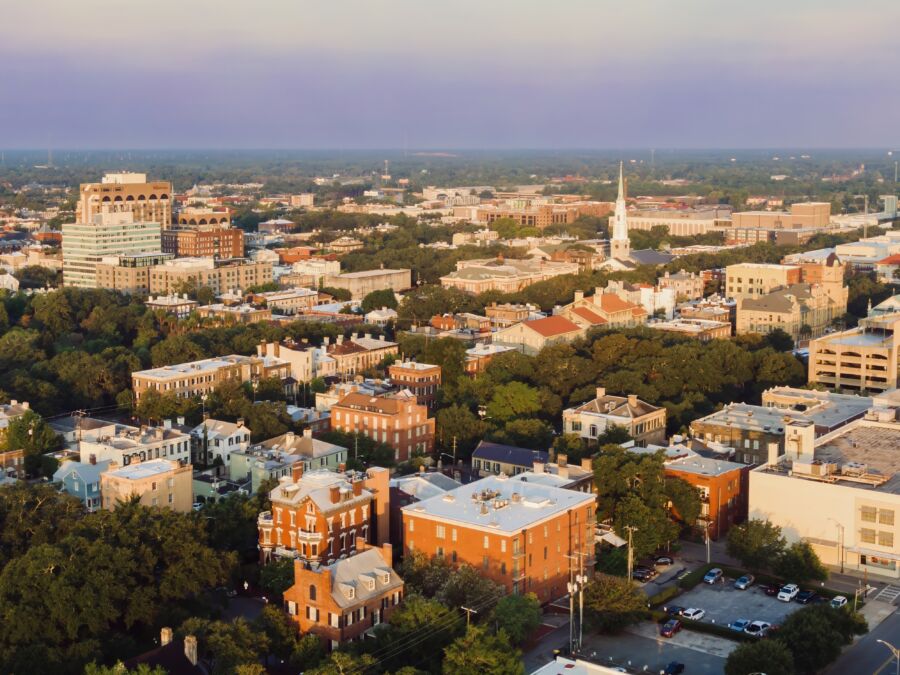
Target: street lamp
{"x": 840, "y": 527}
{"x": 894, "y": 651}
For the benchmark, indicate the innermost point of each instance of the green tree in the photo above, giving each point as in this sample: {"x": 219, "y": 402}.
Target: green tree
{"x": 480, "y": 653}
{"x": 379, "y": 299}
{"x": 423, "y": 574}
{"x": 800, "y": 564}
{"x": 466, "y": 586}
{"x": 511, "y": 400}
{"x": 460, "y": 423}
{"x": 343, "y": 663}
{"x": 276, "y": 577}
{"x": 685, "y": 499}
{"x": 308, "y": 652}
{"x": 816, "y": 633}
{"x": 518, "y": 616}
{"x": 281, "y": 631}
{"x": 762, "y": 656}
{"x": 756, "y": 543}
{"x": 120, "y": 669}
{"x": 612, "y": 603}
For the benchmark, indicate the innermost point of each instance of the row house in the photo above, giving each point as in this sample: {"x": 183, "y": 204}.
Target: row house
{"x": 395, "y": 419}
{"x": 317, "y": 516}
{"x": 196, "y": 378}
{"x": 345, "y": 600}
{"x": 126, "y": 445}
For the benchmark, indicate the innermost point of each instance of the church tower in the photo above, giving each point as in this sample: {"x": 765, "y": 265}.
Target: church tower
{"x": 619, "y": 244}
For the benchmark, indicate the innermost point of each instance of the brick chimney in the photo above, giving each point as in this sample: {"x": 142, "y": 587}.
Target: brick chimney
{"x": 335, "y": 493}
{"x": 601, "y": 392}
{"x": 190, "y": 649}
{"x": 342, "y": 468}
{"x": 538, "y": 466}
{"x": 357, "y": 488}
{"x": 307, "y": 433}
{"x": 562, "y": 459}
{"x": 297, "y": 471}
{"x": 632, "y": 399}
{"x": 579, "y": 295}
{"x": 587, "y": 463}
{"x": 165, "y": 636}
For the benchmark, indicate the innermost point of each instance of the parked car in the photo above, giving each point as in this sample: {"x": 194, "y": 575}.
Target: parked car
{"x": 739, "y": 625}
{"x": 645, "y": 568}
{"x": 693, "y": 613}
{"x": 744, "y": 582}
{"x": 712, "y": 576}
{"x": 664, "y": 561}
{"x": 674, "y": 668}
{"x": 805, "y": 597}
{"x": 641, "y": 575}
{"x": 670, "y": 627}
{"x": 788, "y": 592}
{"x": 673, "y": 610}
{"x": 757, "y": 628}
{"x": 770, "y": 589}
{"x": 197, "y": 506}
{"x": 838, "y": 601}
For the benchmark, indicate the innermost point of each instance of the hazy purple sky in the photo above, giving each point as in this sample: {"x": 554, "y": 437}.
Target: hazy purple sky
{"x": 457, "y": 73}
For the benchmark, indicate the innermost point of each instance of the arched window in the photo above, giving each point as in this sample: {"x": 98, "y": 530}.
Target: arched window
{"x": 312, "y": 592}
{"x": 152, "y": 197}
{"x": 164, "y": 196}
{"x": 141, "y": 198}
{"x": 117, "y": 199}
{"x": 129, "y": 198}
{"x": 106, "y": 199}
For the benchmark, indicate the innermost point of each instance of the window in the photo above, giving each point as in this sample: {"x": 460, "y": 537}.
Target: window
{"x": 412, "y": 526}
{"x": 440, "y": 532}
{"x": 453, "y": 534}
{"x": 487, "y": 541}
{"x": 886, "y": 539}
{"x": 503, "y": 545}
{"x": 885, "y": 517}
{"x": 312, "y": 592}
{"x": 485, "y": 563}
{"x": 867, "y": 514}
{"x": 867, "y": 535}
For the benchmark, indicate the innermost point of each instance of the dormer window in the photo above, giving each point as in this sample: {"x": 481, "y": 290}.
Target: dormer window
{"x": 350, "y": 592}
{"x": 370, "y": 584}
{"x": 386, "y": 578}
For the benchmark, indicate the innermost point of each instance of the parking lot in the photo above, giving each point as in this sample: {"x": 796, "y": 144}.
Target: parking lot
{"x": 723, "y": 603}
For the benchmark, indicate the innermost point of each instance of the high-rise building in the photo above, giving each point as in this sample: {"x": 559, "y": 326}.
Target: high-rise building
{"x": 126, "y": 192}
{"x": 107, "y": 233}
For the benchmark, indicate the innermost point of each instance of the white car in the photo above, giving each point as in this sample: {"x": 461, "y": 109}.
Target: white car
{"x": 788, "y": 592}
{"x": 693, "y": 614}
{"x": 838, "y": 601}
{"x": 758, "y": 628}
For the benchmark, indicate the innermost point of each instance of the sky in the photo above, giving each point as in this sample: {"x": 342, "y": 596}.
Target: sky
{"x": 443, "y": 74}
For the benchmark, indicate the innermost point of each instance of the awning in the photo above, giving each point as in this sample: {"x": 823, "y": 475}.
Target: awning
{"x": 611, "y": 538}
{"x": 872, "y": 552}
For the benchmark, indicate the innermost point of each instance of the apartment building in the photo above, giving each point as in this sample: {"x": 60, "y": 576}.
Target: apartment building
{"x": 848, "y": 482}
{"x": 359, "y": 352}
{"x": 289, "y": 301}
{"x": 862, "y": 359}
{"x": 161, "y": 483}
{"x": 125, "y": 445}
{"x": 723, "y": 488}
{"x": 213, "y": 440}
{"x": 191, "y": 217}
{"x": 800, "y": 310}
{"x": 530, "y": 337}
{"x": 147, "y": 202}
{"x": 395, "y": 419}
{"x": 107, "y": 233}
{"x": 204, "y": 241}
{"x": 177, "y": 305}
{"x": 645, "y": 423}
{"x": 750, "y": 280}
{"x": 422, "y": 379}
{"x": 499, "y": 274}
{"x": 751, "y": 429}
{"x": 342, "y": 601}
{"x": 196, "y": 378}
{"x": 360, "y": 284}
{"x": 314, "y": 271}
{"x": 524, "y": 536}
{"x": 320, "y": 515}
{"x": 220, "y": 276}
{"x": 686, "y": 285}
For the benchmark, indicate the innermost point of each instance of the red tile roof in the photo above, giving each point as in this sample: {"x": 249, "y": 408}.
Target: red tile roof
{"x": 890, "y": 260}
{"x": 552, "y": 325}
{"x": 612, "y": 303}
{"x": 591, "y": 317}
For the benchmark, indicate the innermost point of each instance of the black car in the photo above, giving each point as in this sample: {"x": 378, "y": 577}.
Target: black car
{"x": 674, "y": 610}
{"x": 769, "y": 589}
{"x": 641, "y": 575}
{"x": 674, "y": 668}
{"x": 805, "y": 597}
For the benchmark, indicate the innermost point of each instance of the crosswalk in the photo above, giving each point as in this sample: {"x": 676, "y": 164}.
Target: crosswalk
{"x": 888, "y": 594}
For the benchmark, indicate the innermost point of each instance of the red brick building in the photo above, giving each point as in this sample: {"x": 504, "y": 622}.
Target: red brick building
{"x": 723, "y": 490}
{"x": 341, "y": 601}
{"x": 319, "y": 516}
{"x": 515, "y": 533}
{"x": 422, "y": 379}
{"x": 395, "y": 419}
{"x": 207, "y": 242}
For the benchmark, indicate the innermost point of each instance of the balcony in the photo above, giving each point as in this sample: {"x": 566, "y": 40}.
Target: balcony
{"x": 518, "y": 555}
{"x": 518, "y": 574}
{"x": 309, "y": 535}
{"x": 265, "y": 519}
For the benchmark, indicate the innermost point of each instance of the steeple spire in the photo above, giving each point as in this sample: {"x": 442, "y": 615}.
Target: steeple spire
{"x": 620, "y": 246}
{"x": 621, "y": 196}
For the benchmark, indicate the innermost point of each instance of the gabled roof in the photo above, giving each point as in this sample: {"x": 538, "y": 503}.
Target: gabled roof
{"x": 85, "y": 471}
{"x": 612, "y": 303}
{"x": 617, "y": 406}
{"x": 509, "y": 454}
{"x": 217, "y": 429}
{"x": 552, "y": 325}
{"x": 358, "y": 572}
{"x": 651, "y": 257}
{"x": 591, "y": 317}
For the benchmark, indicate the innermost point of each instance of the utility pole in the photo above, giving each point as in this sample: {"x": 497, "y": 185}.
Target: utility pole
{"x": 706, "y": 524}
{"x": 631, "y": 530}
{"x": 576, "y": 585}
{"x": 454, "y": 451}
{"x": 469, "y": 612}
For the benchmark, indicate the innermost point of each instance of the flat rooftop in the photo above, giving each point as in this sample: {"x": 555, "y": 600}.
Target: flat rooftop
{"x": 143, "y": 470}
{"x": 829, "y": 413}
{"x": 499, "y": 503}
{"x": 865, "y": 446}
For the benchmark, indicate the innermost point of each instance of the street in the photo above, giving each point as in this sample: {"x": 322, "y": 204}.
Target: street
{"x": 867, "y": 656}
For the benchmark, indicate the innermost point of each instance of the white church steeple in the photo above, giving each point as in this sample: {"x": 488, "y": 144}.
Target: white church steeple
{"x": 619, "y": 244}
